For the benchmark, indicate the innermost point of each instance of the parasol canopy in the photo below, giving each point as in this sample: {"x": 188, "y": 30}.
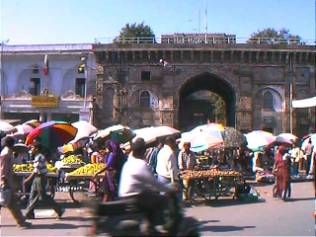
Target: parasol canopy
{"x": 20, "y": 148}
{"x": 52, "y": 134}
{"x": 5, "y": 126}
{"x": 233, "y": 138}
{"x": 85, "y": 129}
{"x": 151, "y": 134}
{"x": 258, "y": 139}
{"x": 117, "y": 132}
{"x": 203, "y": 137}
{"x": 288, "y": 138}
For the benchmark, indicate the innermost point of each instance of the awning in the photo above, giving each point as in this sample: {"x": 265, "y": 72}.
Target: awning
{"x": 306, "y": 103}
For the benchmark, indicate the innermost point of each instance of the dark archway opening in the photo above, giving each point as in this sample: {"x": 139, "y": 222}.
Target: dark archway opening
{"x": 195, "y": 108}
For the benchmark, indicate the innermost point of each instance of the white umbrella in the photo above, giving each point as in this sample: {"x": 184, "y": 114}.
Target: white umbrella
{"x": 5, "y": 126}
{"x": 23, "y": 129}
{"x": 85, "y": 129}
{"x": 286, "y": 138}
{"x": 117, "y": 132}
{"x": 203, "y": 137}
{"x": 150, "y": 134}
{"x": 259, "y": 138}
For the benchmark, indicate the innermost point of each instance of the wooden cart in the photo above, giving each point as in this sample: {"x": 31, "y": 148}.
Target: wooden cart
{"x": 205, "y": 184}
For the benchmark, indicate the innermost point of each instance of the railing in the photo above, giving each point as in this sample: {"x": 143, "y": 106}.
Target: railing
{"x": 214, "y": 41}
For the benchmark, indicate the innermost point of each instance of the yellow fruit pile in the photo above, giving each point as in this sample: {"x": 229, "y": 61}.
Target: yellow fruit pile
{"x": 72, "y": 159}
{"x": 89, "y": 169}
{"x": 29, "y": 168}
{"x": 23, "y": 167}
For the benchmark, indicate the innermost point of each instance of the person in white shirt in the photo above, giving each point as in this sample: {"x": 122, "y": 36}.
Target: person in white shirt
{"x": 139, "y": 183}
{"x": 167, "y": 167}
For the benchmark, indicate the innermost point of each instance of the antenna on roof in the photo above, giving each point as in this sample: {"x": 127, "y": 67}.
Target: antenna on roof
{"x": 205, "y": 21}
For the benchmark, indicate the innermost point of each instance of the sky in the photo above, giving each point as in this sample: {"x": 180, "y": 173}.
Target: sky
{"x": 87, "y": 21}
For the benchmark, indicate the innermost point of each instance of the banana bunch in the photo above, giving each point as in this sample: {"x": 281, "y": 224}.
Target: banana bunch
{"x": 89, "y": 169}
{"x": 72, "y": 159}
{"x": 29, "y": 168}
{"x": 51, "y": 168}
{"x": 23, "y": 167}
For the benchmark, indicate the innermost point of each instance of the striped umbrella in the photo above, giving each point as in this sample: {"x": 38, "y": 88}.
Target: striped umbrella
{"x": 52, "y": 134}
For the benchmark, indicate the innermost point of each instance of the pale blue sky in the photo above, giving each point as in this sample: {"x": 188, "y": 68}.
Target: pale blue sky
{"x": 81, "y": 21}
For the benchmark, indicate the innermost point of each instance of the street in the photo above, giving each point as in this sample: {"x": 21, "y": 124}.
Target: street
{"x": 224, "y": 217}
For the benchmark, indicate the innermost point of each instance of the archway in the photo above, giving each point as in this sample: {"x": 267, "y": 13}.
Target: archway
{"x": 195, "y": 105}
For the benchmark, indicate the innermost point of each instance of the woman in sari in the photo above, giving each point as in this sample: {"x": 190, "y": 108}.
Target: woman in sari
{"x": 281, "y": 171}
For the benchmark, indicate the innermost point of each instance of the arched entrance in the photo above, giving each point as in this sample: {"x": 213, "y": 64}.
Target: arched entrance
{"x": 200, "y": 96}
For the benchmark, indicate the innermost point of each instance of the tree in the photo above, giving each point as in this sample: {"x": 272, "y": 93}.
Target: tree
{"x": 270, "y": 36}
{"x": 135, "y": 33}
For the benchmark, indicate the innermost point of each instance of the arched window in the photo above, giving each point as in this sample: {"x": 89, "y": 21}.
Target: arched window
{"x": 268, "y": 100}
{"x": 144, "y": 99}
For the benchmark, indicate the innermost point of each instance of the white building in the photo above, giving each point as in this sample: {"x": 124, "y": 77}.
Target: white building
{"x": 45, "y": 82}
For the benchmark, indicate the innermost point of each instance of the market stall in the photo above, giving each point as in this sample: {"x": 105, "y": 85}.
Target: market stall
{"x": 80, "y": 180}
{"x": 205, "y": 184}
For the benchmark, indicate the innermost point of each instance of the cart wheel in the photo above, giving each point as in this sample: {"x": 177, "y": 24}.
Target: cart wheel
{"x": 198, "y": 192}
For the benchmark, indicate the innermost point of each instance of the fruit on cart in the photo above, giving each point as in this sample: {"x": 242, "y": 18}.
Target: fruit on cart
{"x": 29, "y": 168}
{"x": 88, "y": 169}
{"x": 23, "y": 167}
{"x": 195, "y": 174}
{"x": 72, "y": 159}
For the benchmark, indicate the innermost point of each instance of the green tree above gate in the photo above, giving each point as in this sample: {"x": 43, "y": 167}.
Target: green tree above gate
{"x": 270, "y": 36}
{"x": 136, "y": 33}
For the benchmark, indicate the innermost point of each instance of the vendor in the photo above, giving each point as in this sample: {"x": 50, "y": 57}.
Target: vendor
{"x": 186, "y": 161}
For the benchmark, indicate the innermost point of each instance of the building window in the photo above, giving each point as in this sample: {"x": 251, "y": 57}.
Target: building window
{"x": 144, "y": 99}
{"x": 80, "y": 86}
{"x": 35, "y": 70}
{"x": 35, "y": 88}
{"x": 145, "y": 76}
{"x": 268, "y": 100}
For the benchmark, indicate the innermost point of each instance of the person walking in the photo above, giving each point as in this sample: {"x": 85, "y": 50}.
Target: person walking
{"x": 39, "y": 180}
{"x": 281, "y": 171}
{"x": 6, "y": 181}
{"x": 186, "y": 161}
{"x": 167, "y": 167}
{"x": 308, "y": 153}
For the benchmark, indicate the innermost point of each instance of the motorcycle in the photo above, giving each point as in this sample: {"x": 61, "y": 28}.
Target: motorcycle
{"x": 124, "y": 218}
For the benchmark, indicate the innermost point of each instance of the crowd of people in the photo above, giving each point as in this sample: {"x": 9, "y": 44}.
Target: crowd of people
{"x": 141, "y": 172}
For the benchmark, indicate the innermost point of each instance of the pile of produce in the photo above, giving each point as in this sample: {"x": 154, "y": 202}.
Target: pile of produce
{"x": 72, "y": 159}
{"x": 192, "y": 174}
{"x": 89, "y": 169}
{"x": 29, "y": 168}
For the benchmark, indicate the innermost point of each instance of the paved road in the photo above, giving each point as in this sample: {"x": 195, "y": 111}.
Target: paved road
{"x": 224, "y": 217}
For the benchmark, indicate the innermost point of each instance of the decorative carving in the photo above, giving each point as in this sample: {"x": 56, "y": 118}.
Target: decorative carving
{"x": 70, "y": 95}
{"x": 245, "y": 103}
{"x": 24, "y": 94}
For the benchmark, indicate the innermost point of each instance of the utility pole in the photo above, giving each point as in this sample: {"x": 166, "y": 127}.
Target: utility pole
{"x": 290, "y": 78}
{"x": 1, "y": 77}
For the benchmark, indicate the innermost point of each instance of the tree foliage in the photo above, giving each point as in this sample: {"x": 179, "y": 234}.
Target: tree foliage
{"x": 270, "y": 36}
{"x": 135, "y": 33}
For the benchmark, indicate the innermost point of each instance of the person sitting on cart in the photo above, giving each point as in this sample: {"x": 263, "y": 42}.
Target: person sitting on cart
{"x": 39, "y": 180}
{"x": 186, "y": 161}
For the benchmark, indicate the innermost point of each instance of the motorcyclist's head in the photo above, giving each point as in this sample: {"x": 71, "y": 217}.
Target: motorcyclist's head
{"x": 139, "y": 148}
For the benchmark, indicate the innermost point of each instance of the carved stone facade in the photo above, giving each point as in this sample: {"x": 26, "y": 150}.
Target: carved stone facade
{"x": 243, "y": 75}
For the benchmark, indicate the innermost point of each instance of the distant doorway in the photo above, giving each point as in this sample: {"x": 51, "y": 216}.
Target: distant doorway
{"x": 206, "y": 98}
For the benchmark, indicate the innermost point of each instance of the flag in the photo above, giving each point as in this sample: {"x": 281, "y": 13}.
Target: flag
{"x": 45, "y": 65}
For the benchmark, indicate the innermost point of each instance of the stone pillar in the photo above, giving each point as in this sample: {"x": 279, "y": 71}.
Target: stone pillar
{"x": 116, "y": 105}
